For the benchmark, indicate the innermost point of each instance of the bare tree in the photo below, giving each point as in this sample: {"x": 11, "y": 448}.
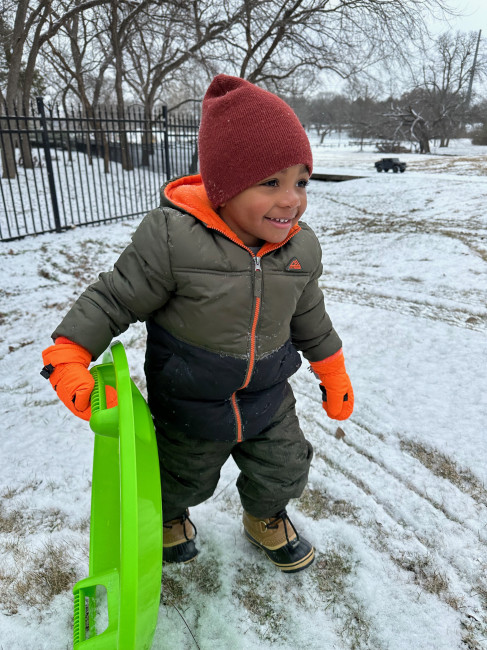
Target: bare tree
{"x": 437, "y": 105}
{"x": 478, "y": 118}
{"x": 32, "y": 24}
{"x": 446, "y": 80}
{"x": 325, "y": 113}
{"x": 80, "y": 56}
{"x": 149, "y": 44}
{"x": 178, "y": 35}
{"x": 164, "y": 55}
{"x": 277, "y": 42}
{"x": 408, "y": 123}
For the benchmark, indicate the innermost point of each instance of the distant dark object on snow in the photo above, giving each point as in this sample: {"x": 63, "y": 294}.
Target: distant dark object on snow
{"x": 388, "y": 147}
{"x": 384, "y": 164}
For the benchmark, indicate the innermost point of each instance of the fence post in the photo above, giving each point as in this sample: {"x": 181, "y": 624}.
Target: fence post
{"x": 50, "y": 170}
{"x": 166, "y": 143}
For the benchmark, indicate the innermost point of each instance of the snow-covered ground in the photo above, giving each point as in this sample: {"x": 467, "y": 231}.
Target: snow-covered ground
{"x": 339, "y": 154}
{"x": 397, "y": 509}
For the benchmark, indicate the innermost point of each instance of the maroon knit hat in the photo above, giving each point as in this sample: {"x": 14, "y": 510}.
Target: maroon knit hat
{"x": 246, "y": 134}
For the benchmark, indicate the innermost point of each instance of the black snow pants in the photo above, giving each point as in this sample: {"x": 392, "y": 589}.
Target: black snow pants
{"x": 274, "y": 466}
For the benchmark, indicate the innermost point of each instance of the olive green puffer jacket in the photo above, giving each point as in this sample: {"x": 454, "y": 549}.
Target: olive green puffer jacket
{"x": 223, "y": 324}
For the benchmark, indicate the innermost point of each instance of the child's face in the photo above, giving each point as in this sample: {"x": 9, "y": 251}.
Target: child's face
{"x": 268, "y": 210}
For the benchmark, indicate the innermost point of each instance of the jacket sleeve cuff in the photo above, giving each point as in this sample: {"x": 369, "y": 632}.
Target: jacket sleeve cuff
{"x": 329, "y": 364}
{"x": 62, "y": 339}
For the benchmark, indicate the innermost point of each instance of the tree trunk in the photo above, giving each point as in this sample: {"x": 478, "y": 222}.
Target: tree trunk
{"x": 420, "y": 131}
{"x": 324, "y": 133}
{"x": 7, "y": 146}
{"x": 122, "y": 134}
{"x": 11, "y": 93}
{"x": 25, "y": 148}
{"x": 29, "y": 27}
{"x": 147, "y": 144}
{"x": 424, "y": 144}
{"x": 27, "y": 87}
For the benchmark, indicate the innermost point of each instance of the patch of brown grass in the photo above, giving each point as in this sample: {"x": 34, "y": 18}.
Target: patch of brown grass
{"x": 444, "y": 467}
{"x": 10, "y": 492}
{"x": 38, "y": 577}
{"x": 423, "y": 571}
{"x": 332, "y": 572}
{"x": 320, "y": 505}
{"x": 173, "y": 592}
{"x": 253, "y": 593}
{"x": 11, "y": 521}
{"x": 178, "y": 581}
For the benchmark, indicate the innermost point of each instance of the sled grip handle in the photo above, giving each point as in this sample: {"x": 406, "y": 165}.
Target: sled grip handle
{"x": 103, "y": 421}
{"x": 87, "y": 589}
{"x": 114, "y": 371}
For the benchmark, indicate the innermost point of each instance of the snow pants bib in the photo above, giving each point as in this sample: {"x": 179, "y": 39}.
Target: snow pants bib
{"x": 274, "y": 466}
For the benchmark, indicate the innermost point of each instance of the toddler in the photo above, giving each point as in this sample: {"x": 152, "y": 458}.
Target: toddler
{"x": 226, "y": 278}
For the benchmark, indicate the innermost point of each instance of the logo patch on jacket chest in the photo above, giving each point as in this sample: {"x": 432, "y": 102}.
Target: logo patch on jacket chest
{"x": 294, "y": 265}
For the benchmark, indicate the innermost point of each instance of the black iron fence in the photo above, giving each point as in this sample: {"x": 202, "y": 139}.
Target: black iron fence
{"x": 61, "y": 170}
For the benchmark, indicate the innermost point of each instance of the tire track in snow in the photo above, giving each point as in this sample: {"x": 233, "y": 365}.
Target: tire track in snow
{"x": 470, "y": 232}
{"x": 374, "y": 220}
{"x": 409, "y": 485}
{"x": 411, "y": 514}
{"x": 455, "y": 578}
{"x": 413, "y": 470}
{"x": 438, "y": 507}
{"x": 417, "y": 560}
{"x": 476, "y": 491}
{"x": 466, "y": 319}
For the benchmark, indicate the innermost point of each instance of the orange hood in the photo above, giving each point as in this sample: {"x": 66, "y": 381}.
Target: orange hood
{"x": 188, "y": 194}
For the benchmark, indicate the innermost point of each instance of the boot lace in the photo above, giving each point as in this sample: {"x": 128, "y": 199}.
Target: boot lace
{"x": 181, "y": 520}
{"x": 274, "y": 523}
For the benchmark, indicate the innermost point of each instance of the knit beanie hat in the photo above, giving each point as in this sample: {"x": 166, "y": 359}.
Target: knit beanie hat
{"x": 246, "y": 134}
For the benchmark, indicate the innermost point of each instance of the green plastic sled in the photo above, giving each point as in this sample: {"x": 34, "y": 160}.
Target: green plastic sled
{"x": 126, "y": 519}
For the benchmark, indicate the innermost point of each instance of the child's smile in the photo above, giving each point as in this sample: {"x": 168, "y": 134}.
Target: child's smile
{"x": 280, "y": 222}
{"x": 268, "y": 210}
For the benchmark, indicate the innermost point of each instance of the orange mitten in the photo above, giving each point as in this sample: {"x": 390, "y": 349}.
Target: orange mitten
{"x": 335, "y": 386}
{"x": 66, "y": 366}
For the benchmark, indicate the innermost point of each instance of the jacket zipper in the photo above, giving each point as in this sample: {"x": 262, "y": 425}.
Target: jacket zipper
{"x": 255, "y": 318}
{"x": 253, "y": 329}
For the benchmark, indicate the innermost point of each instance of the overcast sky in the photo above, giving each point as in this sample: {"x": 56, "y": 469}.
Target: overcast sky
{"x": 474, "y": 17}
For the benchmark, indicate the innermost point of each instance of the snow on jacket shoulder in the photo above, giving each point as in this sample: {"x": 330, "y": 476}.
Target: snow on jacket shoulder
{"x": 223, "y": 324}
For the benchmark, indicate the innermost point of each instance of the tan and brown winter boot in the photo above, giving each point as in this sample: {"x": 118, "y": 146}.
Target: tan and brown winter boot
{"x": 280, "y": 541}
{"x": 178, "y": 539}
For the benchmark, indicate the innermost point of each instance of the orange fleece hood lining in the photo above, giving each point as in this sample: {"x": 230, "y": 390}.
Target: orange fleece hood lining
{"x": 189, "y": 194}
